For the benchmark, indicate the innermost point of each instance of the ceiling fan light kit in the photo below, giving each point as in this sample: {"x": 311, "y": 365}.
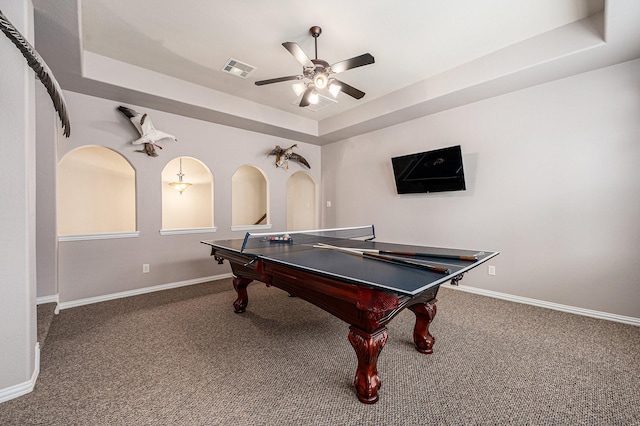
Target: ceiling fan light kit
{"x": 334, "y": 88}
{"x": 314, "y": 98}
{"x": 299, "y": 88}
{"x": 317, "y": 74}
{"x": 320, "y": 81}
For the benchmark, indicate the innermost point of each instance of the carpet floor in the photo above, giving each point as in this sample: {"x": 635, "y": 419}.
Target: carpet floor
{"x": 183, "y": 357}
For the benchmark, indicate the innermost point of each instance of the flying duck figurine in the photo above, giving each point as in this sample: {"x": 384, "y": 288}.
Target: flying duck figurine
{"x": 149, "y": 135}
{"x": 283, "y": 155}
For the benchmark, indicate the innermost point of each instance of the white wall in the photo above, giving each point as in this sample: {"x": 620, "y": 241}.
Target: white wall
{"x": 18, "y": 353}
{"x": 47, "y": 130}
{"x": 96, "y": 192}
{"x": 301, "y": 202}
{"x": 553, "y": 183}
{"x": 249, "y": 197}
{"x": 192, "y": 208}
{"x": 101, "y": 267}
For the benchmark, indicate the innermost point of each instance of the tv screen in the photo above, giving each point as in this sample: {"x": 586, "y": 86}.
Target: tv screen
{"x": 431, "y": 171}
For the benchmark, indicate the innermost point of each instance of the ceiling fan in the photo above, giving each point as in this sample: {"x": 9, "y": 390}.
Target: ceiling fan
{"x": 317, "y": 74}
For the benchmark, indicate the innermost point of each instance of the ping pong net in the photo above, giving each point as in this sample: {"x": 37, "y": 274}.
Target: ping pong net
{"x": 263, "y": 240}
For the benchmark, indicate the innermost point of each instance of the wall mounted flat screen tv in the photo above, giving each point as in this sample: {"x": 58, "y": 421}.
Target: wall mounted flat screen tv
{"x": 431, "y": 171}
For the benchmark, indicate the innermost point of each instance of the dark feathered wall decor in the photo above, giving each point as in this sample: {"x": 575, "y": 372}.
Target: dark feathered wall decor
{"x": 283, "y": 155}
{"x": 43, "y": 73}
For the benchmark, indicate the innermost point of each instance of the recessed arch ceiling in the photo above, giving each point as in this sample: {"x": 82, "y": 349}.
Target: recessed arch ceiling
{"x": 430, "y": 55}
{"x": 411, "y": 40}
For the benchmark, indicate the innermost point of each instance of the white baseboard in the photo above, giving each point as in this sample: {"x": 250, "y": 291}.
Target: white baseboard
{"x": 136, "y": 292}
{"x": 549, "y": 305}
{"x": 482, "y": 292}
{"x": 25, "y": 387}
{"x": 47, "y": 299}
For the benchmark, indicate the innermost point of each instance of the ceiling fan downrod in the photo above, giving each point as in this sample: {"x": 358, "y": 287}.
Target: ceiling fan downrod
{"x": 315, "y": 32}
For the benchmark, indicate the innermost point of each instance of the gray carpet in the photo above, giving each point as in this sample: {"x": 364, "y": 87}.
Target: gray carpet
{"x": 46, "y": 313}
{"x": 182, "y": 357}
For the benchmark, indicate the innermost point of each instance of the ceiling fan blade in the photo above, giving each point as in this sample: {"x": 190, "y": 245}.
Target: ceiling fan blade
{"x": 355, "y": 62}
{"x": 277, "y": 80}
{"x": 350, "y": 90}
{"x": 298, "y": 53}
{"x": 305, "y": 98}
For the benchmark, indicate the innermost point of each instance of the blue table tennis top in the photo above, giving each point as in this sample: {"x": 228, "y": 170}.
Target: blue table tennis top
{"x": 397, "y": 278}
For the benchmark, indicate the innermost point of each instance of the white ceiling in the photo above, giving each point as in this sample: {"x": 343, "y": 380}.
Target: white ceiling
{"x": 429, "y": 54}
{"x": 411, "y": 39}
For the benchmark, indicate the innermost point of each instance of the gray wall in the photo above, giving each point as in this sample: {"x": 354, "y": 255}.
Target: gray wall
{"x": 97, "y": 268}
{"x": 17, "y": 208}
{"x": 553, "y": 183}
{"x": 551, "y": 172}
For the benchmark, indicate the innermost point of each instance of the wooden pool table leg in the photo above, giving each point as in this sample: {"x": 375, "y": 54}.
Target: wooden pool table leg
{"x": 367, "y": 347}
{"x": 425, "y": 312}
{"x": 240, "y": 284}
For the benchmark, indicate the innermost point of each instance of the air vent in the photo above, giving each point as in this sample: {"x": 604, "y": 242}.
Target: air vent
{"x": 238, "y": 68}
{"x": 323, "y": 102}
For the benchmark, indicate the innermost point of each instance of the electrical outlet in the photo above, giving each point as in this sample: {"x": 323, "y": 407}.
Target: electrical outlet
{"x": 145, "y": 268}
{"x": 491, "y": 270}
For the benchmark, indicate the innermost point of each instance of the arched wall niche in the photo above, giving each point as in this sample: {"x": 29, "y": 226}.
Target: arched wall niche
{"x": 96, "y": 192}
{"x": 301, "y": 202}
{"x": 249, "y": 197}
{"x": 192, "y": 208}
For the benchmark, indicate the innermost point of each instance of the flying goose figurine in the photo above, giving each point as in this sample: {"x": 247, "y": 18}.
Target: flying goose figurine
{"x": 283, "y": 155}
{"x": 149, "y": 135}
